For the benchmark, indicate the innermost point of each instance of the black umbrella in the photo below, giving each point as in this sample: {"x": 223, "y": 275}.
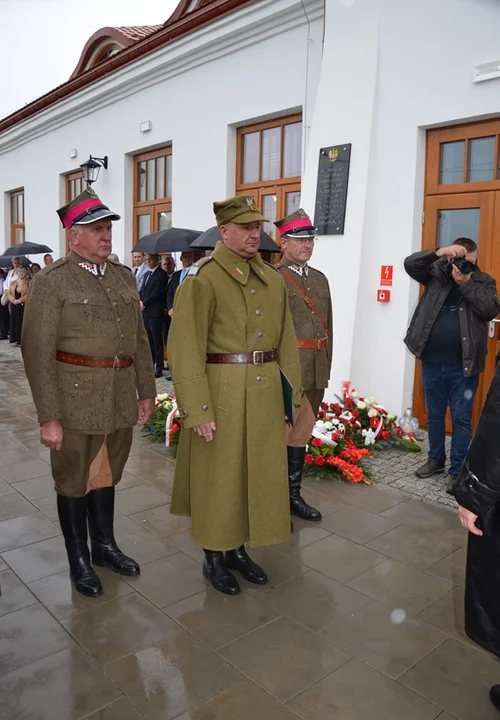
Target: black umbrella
{"x": 172, "y": 240}
{"x": 6, "y": 261}
{"x": 209, "y": 240}
{"x": 27, "y": 248}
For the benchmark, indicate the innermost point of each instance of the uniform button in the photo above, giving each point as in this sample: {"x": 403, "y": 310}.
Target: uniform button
{"x": 85, "y": 301}
{"x": 118, "y": 319}
{"x": 123, "y": 336}
{"x": 108, "y": 289}
{"x": 258, "y": 378}
{"x": 258, "y": 312}
{"x": 100, "y": 277}
{"x": 76, "y": 384}
{"x": 260, "y": 334}
{"x": 464, "y": 338}
{"x": 253, "y": 291}
{"x": 205, "y": 407}
{"x": 115, "y": 303}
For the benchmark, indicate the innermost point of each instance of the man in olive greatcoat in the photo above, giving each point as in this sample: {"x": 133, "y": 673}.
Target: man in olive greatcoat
{"x": 311, "y": 308}
{"x": 231, "y": 333}
{"x": 477, "y": 491}
{"x": 88, "y": 362}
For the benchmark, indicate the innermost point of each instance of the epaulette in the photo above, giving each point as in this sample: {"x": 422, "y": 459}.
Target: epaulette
{"x": 56, "y": 264}
{"x": 194, "y": 269}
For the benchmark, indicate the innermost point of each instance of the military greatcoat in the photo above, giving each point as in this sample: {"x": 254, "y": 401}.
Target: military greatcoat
{"x": 235, "y": 488}
{"x": 77, "y": 309}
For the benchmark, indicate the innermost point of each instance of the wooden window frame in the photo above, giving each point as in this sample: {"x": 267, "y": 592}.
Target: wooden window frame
{"x": 435, "y": 138}
{"x": 68, "y": 179}
{"x": 151, "y": 207}
{"x": 15, "y": 226}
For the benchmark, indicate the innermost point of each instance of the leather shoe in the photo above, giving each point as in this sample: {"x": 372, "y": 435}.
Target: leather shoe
{"x": 495, "y": 696}
{"x": 431, "y": 467}
{"x": 216, "y": 570}
{"x": 239, "y": 560}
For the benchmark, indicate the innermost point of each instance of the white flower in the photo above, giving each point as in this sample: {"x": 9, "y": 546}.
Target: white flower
{"x": 371, "y": 401}
{"x": 329, "y": 426}
{"x": 372, "y": 413}
{"x": 335, "y": 421}
{"x": 354, "y": 394}
{"x": 163, "y": 397}
{"x": 369, "y": 436}
{"x": 361, "y": 406}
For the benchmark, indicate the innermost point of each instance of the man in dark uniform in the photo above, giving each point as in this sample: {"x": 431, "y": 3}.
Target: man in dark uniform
{"x": 311, "y": 308}
{"x": 153, "y": 298}
{"x": 88, "y": 362}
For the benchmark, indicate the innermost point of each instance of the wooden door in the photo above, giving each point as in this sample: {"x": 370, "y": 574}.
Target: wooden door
{"x": 477, "y": 216}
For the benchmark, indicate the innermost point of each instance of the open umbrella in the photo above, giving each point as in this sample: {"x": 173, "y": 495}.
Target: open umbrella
{"x": 209, "y": 240}
{"x": 27, "y": 248}
{"x": 172, "y": 240}
{"x": 6, "y": 261}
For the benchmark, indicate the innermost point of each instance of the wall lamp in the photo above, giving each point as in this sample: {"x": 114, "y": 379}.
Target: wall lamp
{"x": 91, "y": 168}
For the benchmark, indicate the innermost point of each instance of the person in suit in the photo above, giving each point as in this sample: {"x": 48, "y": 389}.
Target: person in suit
{"x": 139, "y": 268}
{"x": 152, "y": 296}
{"x": 187, "y": 259}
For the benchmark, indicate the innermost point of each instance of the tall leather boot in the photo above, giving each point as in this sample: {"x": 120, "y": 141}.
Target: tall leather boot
{"x": 239, "y": 560}
{"x": 73, "y": 518}
{"x": 298, "y": 505}
{"x": 217, "y": 571}
{"x": 105, "y": 551}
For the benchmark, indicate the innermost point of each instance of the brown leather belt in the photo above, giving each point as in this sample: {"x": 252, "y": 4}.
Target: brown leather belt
{"x": 257, "y": 357}
{"x": 319, "y": 344}
{"x": 117, "y": 362}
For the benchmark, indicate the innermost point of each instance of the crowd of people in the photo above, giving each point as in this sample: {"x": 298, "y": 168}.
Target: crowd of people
{"x": 14, "y": 287}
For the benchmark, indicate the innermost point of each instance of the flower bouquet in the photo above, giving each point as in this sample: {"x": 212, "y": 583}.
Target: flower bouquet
{"x": 165, "y": 423}
{"x": 348, "y": 431}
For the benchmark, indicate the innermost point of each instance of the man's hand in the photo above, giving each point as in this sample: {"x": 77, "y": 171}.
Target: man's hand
{"x": 458, "y": 277}
{"x": 143, "y": 307}
{"x": 452, "y": 251}
{"x": 51, "y": 434}
{"x": 171, "y": 312}
{"x": 146, "y": 409}
{"x": 205, "y": 430}
{"x": 468, "y": 520}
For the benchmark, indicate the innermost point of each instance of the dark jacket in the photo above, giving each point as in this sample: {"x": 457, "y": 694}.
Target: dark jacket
{"x": 174, "y": 283}
{"x": 479, "y": 305}
{"x": 478, "y": 489}
{"x": 153, "y": 293}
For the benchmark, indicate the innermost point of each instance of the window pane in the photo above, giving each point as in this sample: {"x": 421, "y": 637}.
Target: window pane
{"x": 143, "y": 225}
{"x": 160, "y": 177}
{"x": 20, "y": 207}
{"x": 141, "y": 182}
{"x": 292, "y": 202}
{"x": 13, "y": 210}
{"x": 164, "y": 220}
{"x": 19, "y": 235}
{"x": 79, "y": 186}
{"x": 169, "y": 176}
{"x": 292, "y": 161}
{"x": 481, "y": 159}
{"x": 453, "y": 224}
{"x": 150, "y": 183}
{"x": 271, "y": 149}
{"x": 250, "y": 173}
{"x": 269, "y": 203}
{"x": 452, "y": 162}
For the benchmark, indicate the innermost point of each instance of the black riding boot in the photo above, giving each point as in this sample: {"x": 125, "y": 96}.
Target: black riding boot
{"x": 73, "y": 518}
{"x": 105, "y": 551}
{"x": 238, "y": 559}
{"x": 298, "y": 505}
{"x": 216, "y": 570}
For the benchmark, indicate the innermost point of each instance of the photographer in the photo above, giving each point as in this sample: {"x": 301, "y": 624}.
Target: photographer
{"x": 448, "y": 333}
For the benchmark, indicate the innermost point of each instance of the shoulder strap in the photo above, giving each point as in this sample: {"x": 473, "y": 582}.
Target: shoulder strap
{"x": 304, "y": 297}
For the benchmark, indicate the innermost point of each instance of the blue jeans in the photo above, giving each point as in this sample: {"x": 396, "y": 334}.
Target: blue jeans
{"x": 445, "y": 384}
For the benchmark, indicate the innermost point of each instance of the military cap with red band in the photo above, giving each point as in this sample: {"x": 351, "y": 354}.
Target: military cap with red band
{"x": 85, "y": 209}
{"x": 298, "y": 224}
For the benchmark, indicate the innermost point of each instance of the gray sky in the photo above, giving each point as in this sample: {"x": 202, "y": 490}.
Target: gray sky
{"x": 41, "y": 40}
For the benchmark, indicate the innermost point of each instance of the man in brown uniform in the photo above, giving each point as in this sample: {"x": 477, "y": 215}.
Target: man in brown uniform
{"x": 231, "y": 333}
{"x": 88, "y": 362}
{"x": 311, "y": 308}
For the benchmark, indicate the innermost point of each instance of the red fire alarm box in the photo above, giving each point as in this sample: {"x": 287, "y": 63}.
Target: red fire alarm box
{"x": 383, "y": 296}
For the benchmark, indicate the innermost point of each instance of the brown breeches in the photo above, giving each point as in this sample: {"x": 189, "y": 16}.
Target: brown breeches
{"x": 305, "y": 419}
{"x": 88, "y": 462}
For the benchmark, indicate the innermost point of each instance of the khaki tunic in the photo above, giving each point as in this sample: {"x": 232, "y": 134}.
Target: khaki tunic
{"x": 235, "y": 488}
{"x": 74, "y": 311}
{"x": 315, "y": 364}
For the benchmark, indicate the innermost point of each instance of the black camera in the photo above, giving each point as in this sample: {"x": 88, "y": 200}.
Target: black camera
{"x": 464, "y": 266}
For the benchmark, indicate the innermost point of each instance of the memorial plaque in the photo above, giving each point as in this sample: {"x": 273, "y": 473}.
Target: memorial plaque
{"x": 331, "y": 193}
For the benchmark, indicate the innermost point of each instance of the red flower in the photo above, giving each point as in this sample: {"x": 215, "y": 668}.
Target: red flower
{"x": 355, "y": 414}
{"x": 349, "y": 403}
{"x": 320, "y": 460}
{"x": 316, "y": 442}
{"x": 179, "y": 423}
{"x": 331, "y": 460}
{"x": 308, "y": 459}
{"x": 386, "y": 435}
{"x": 335, "y": 436}
{"x": 321, "y": 415}
{"x": 374, "y": 423}
{"x": 175, "y": 428}
{"x": 324, "y": 406}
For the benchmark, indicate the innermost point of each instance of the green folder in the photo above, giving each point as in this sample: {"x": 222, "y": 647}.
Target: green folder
{"x": 287, "y": 397}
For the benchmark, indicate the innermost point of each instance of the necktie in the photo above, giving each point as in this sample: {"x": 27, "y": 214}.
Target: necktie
{"x": 147, "y": 277}
{"x": 184, "y": 272}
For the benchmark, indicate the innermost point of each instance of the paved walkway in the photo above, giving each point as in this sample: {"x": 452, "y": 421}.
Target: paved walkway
{"x": 362, "y": 617}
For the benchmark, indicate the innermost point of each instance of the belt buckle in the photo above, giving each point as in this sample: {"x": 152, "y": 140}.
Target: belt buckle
{"x": 116, "y": 360}
{"x": 258, "y": 357}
